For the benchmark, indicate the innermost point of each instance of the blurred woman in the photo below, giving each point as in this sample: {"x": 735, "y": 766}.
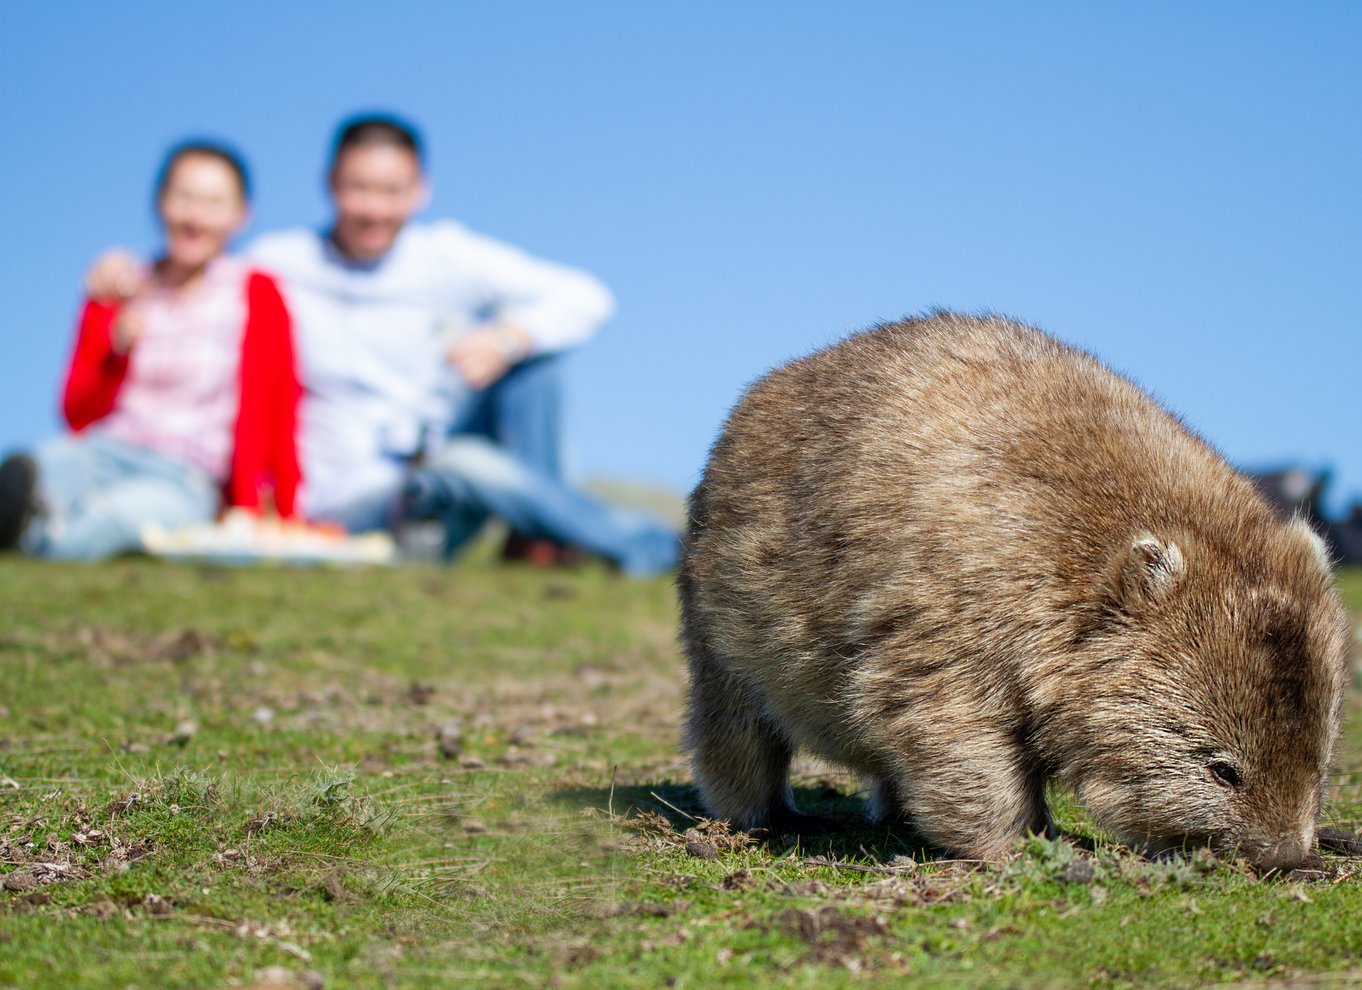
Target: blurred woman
{"x": 182, "y": 399}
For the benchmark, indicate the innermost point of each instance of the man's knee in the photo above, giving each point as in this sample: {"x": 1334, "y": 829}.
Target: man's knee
{"x": 537, "y": 373}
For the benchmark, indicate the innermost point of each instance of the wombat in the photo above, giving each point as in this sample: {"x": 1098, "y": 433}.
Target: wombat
{"x": 960, "y": 558}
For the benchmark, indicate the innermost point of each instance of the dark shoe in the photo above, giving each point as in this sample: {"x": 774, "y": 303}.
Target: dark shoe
{"x": 539, "y": 552}
{"x": 18, "y": 481}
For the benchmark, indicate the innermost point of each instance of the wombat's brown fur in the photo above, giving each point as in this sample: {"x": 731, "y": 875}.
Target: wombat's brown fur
{"x": 960, "y": 557}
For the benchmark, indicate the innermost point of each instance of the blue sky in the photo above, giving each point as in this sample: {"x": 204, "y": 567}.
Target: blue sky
{"x": 1176, "y": 187}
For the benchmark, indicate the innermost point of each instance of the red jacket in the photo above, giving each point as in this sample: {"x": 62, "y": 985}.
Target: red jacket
{"x": 264, "y": 449}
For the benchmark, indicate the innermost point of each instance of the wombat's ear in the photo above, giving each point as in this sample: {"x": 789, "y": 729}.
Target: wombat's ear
{"x": 1303, "y": 531}
{"x": 1147, "y": 570}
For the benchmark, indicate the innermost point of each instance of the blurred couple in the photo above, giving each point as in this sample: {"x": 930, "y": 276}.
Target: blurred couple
{"x": 374, "y": 372}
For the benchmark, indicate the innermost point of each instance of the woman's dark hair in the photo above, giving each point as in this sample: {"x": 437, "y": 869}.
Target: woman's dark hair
{"x": 376, "y": 129}
{"x": 204, "y": 149}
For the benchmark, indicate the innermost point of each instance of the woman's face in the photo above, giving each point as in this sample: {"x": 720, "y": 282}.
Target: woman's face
{"x": 201, "y": 208}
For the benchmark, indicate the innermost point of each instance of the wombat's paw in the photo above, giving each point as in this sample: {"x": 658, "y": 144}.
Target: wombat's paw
{"x": 1340, "y": 841}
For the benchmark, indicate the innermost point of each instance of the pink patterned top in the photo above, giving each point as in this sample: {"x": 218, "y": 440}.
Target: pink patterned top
{"x": 181, "y": 393}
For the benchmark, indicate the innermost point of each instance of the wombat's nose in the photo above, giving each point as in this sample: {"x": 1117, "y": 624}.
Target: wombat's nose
{"x": 1282, "y": 854}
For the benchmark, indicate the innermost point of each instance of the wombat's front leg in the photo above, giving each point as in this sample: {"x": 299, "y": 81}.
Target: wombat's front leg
{"x": 968, "y": 789}
{"x": 741, "y": 761}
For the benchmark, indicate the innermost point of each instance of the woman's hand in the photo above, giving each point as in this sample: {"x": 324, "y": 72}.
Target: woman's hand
{"x": 116, "y": 274}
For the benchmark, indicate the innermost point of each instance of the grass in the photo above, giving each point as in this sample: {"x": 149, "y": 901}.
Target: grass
{"x": 470, "y": 777}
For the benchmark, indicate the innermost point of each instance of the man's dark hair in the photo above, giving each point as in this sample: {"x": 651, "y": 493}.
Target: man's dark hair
{"x": 376, "y": 129}
{"x": 204, "y": 149}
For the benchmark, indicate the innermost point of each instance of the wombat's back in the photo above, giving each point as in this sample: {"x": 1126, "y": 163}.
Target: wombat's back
{"x": 943, "y": 464}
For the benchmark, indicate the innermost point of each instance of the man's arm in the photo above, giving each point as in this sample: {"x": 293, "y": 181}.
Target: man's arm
{"x": 546, "y": 306}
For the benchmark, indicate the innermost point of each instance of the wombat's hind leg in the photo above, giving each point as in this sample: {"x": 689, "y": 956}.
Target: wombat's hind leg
{"x": 741, "y": 760}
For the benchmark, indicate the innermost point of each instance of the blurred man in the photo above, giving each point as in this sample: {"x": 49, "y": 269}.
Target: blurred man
{"x": 428, "y": 355}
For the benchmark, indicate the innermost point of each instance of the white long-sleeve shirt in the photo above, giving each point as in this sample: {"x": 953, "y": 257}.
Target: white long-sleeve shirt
{"x": 372, "y": 339}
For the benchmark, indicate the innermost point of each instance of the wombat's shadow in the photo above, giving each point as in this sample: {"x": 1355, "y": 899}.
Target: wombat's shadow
{"x": 832, "y": 824}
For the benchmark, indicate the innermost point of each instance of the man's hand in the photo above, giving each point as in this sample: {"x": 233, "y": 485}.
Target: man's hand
{"x": 485, "y": 355}
{"x": 116, "y": 274}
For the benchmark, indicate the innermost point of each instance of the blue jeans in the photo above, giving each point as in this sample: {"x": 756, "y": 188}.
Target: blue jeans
{"x": 471, "y": 479}
{"x": 97, "y": 493}
{"x": 521, "y": 412}
{"x": 502, "y": 458}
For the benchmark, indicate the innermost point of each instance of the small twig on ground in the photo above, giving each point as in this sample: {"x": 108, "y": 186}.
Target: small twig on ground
{"x": 838, "y": 864}
{"x": 659, "y": 797}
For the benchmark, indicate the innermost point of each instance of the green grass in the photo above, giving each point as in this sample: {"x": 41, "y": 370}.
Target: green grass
{"x": 206, "y": 773}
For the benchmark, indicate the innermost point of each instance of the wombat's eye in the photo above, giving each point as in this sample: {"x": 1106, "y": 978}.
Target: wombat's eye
{"x": 1224, "y": 773}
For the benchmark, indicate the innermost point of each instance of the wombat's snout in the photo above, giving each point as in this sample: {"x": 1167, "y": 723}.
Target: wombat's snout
{"x": 1283, "y": 852}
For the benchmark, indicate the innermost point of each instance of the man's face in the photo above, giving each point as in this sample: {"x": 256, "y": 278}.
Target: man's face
{"x": 376, "y": 188}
